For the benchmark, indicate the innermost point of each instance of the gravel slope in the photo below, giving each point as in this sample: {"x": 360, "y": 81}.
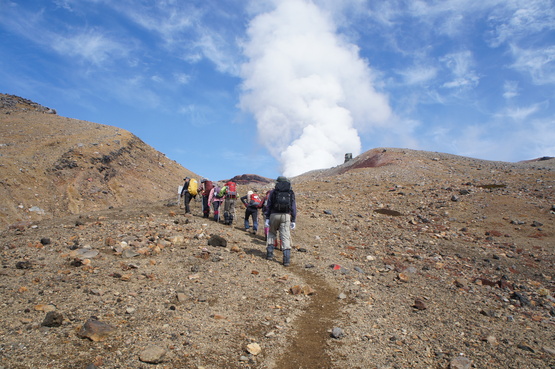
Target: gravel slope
{"x": 430, "y": 265}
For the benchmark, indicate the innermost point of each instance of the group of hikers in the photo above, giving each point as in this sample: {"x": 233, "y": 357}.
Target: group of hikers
{"x": 278, "y": 207}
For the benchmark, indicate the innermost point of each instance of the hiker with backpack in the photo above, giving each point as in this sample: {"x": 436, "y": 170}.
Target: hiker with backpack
{"x": 277, "y": 245}
{"x": 205, "y": 188}
{"x": 252, "y": 203}
{"x": 264, "y": 208}
{"x": 230, "y": 190}
{"x": 280, "y": 215}
{"x": 215, "y": 199}
{"x": 189, "y": 191}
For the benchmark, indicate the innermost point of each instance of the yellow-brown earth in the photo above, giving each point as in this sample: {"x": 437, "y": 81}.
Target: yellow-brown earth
{"x": 417, "y": 259}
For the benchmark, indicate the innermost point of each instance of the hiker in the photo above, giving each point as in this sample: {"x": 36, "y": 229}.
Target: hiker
{"x": 252, "y": 203}
{"x": 264, "y": 208}
{"x": 277, "y": 243}
{"x": 280, "y": 215}
{"x": 205, "y": 188}
{"x": 215, "y": 200}
{"x": 188, "y": 192}
{"x": 229, "y": 204}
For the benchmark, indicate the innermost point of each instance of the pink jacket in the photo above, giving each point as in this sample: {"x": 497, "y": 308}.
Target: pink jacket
{"x": 212, "y": 197}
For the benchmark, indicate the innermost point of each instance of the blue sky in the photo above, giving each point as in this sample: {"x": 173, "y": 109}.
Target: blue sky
{"x": 227, "y": 87}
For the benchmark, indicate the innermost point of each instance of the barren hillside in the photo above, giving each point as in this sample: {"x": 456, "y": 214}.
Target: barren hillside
{"x": 53, "y": 166}
{"x": 401, "y": 259}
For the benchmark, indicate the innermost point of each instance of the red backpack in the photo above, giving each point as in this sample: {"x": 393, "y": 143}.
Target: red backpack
{"x": 231, "y": 189}
{"x": 208, "y": 186}
{"x": 255, "y": 201}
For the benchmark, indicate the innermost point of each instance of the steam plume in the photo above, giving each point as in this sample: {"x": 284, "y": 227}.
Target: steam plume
{"x": 307, "y": 88}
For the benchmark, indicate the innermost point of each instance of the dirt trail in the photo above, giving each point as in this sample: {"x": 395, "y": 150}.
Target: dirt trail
{"x": 307, "y": 348}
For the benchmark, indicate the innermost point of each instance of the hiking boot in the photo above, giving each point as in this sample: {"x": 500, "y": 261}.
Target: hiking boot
{"x": 286, "y": 257}
{"x": 270, "y": 253}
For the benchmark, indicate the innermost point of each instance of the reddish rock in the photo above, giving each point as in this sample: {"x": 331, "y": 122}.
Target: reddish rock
{"x": 95, "y": 330}
{"x": 419, "y": 304}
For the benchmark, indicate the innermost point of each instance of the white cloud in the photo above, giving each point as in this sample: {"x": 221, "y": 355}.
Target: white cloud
{"x": 520, "y": 113}
{"x": 510, "y": 89}
{"x": 217, "y": 49}
{"x": 196, "y": 115}
{"x": 165, "y": 19}
{"x": 524, "y": 25}
{"x": 460, "y": 66}
{"x": 157, "y": 79}
{"x": 519, "y": 138}
{"x": 538, "y": 63}
{"x": 89, "y": 45}
{"x": 307, "y": 88}
{"x": 476, "y": 141}
{"x": 65, "y": 4}
{"x": 183, "y": 30}
{"x": 182, "y": 78}
{"x": 451, "y": 18}
{"x": 401, "y": 133}
{"x": 515, "y": 20}
{"x": 536, "y": 139}
{"x": 418, "y": 75}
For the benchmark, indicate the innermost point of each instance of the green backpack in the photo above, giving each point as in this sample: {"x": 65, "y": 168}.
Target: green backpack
{"x": 222, "y": 192}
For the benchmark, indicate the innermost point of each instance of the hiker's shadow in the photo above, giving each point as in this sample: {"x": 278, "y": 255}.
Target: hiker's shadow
{"x": 260, "y": 251}
{"x": 258, "y": 238}
{"x": 256, "y": 252}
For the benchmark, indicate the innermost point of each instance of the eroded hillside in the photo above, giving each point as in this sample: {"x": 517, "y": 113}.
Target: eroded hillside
{"x": 53, "y": 166}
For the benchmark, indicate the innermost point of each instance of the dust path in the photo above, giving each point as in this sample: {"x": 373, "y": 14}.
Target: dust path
{"x": 307, "y": 346}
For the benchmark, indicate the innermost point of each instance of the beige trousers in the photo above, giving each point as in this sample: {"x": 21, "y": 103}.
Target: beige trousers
{"x": 282, "y": 223}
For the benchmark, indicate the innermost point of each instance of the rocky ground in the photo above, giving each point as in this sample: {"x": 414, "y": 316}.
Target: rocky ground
{"x": 429, "y": 261}
{"x": 401, "y": 259}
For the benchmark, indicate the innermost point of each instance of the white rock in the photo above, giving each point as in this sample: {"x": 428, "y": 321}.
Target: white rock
{"x": 460, "y": 362}
{"x": 254, "y": 348}
{"x": 152, "y": 355}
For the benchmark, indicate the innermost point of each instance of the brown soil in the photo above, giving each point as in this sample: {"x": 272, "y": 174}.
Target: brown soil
{"x": 306, "y": 348}
{"x": 420, "y": 262}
